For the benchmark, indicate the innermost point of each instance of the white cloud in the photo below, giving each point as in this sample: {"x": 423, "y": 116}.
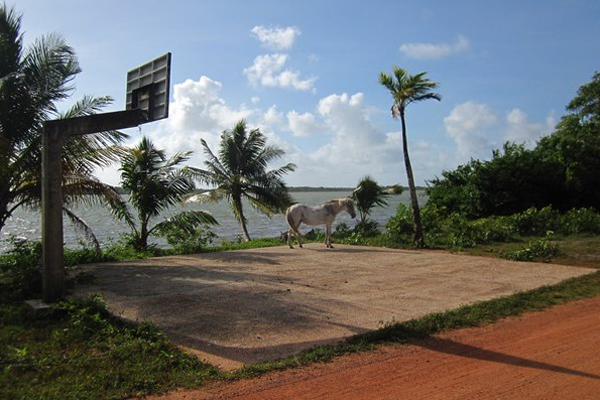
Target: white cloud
{"x": 197, "y": 106}
{"x": 521, "y": 130}
{"x": 276, "y": 38}
{"x": 344, "y": 144}
{"x": 429, "y": 51}
{"x": 302, "y": 125}
{"x": 477, "y": 131}
{"x": 357, "y": 144}
{"x": 468, "y": 125}
{"x": 270, "y": 70}
{"x": 197, "y": 111}
{"x": 273, "y": 117}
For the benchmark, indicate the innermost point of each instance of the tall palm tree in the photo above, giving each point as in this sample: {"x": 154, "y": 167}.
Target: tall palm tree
{"x": 154, "y": 184}
{"x": 406, "y": 89}
{"x": 32, "y": 82}
{"x": 240, "y": 171}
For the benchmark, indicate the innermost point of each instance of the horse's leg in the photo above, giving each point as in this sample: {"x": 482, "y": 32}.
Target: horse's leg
{"x": 289, "y": 238}
{"x": 328, "y": 235}
{"x": 294, "y": 230}
{"x": 299, "y": 237}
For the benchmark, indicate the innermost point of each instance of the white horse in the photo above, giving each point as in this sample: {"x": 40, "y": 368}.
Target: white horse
{"x": 322, "y": 214}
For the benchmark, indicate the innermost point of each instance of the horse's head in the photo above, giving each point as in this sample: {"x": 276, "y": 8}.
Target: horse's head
{"x": 349, "y": 206}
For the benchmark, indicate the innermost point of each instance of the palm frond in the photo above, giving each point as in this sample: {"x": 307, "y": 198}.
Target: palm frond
{"x": 83, "y": 227}
{"x": 50, "y": 65}
{"x": 11, "y": 45}
{"x": 188, "y": 221}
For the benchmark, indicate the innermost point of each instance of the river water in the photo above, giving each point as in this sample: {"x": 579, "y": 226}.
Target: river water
{"x": 27, "y": 223}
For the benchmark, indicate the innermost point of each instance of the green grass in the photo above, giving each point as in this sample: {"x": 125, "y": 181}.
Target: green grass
{"x": 78, "y": 351}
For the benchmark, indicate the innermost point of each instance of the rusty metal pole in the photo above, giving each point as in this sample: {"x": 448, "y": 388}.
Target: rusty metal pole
{"x": 52, "y": 224}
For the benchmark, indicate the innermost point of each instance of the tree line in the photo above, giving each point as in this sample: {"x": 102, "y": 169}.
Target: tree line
{"x": 561, "y": 171}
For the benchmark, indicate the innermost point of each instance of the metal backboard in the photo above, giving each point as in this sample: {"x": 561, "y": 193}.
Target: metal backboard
{"x": 148, "y": 88}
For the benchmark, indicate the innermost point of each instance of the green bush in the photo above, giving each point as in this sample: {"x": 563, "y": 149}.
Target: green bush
{"x": 21, "y": 270}
{"x": 185, "y": 242}
{"x": 400, "y": 227}
{"x": 581, "y": 220}
{"x": 536, "y": 221}
{"x": 456, "y": 230}
{"x": 542, "y": 249}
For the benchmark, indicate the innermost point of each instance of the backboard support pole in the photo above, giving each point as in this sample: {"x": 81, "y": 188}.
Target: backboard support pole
{"x": 54, "y": 135}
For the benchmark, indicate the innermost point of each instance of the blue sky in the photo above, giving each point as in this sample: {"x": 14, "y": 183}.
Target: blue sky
{"x": 306, "y": 73}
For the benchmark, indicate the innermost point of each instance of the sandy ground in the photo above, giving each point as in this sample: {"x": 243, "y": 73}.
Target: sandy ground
{"x": 549, "y": 355}
{"x": 241, "y": 307}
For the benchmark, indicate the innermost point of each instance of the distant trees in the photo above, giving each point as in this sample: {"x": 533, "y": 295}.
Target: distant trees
{"x": 32, "y": 82}
{"x": 239, "y": 171}
{"x": 155, "y": 183}
{"x": 561, "y": 171}
{"x": 406, "y": 89}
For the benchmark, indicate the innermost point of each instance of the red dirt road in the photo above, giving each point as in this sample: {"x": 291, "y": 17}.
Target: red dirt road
{"x": 550, "y": 355}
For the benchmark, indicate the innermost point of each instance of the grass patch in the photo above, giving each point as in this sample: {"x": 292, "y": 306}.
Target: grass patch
{"x": 79, "y": 351}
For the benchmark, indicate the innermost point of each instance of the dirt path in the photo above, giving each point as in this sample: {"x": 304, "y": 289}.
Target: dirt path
{"x": 550, "y": 355}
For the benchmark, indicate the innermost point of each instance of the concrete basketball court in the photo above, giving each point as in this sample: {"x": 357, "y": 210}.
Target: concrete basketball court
{"x": 241, "y": 307}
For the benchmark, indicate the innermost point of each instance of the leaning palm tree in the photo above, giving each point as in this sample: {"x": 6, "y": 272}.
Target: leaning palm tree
{"x": 240, "y": 172}
{"x": 32, "y": 82}
{"x": 155, "y": 184}
{"x": 406, "y": 89}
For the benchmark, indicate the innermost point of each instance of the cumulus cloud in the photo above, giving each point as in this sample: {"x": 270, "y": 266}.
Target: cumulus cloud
{"x": 302, "y": 125}
{"x": 270, "y": 70}
{"x": 356, "y": 141}
{"x": 430, "y": 51}
{"x": 468, "y": 125}
{"x": 521, "y": 130}
{"x": 273, "y": 117}
{"x": 197, "y": 111}
{"x": 276, "y": 38}
{"x": 197, "y": 106}
{"x": 477, "y": 130}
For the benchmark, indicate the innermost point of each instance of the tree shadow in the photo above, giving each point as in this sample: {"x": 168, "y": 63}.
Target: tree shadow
{"x": 448, "y": 346}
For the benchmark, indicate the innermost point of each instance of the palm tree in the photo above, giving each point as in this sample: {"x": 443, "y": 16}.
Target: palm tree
{"x": 32, "y": 82}
{"x": 407, "y": 89}
{"x": 367, "y": 195}
{"x": 240, "y": 172}
{"x": 154, "y": 184}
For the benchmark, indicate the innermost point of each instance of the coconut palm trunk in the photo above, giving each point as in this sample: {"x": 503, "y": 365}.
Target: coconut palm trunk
{"x": 418, "y": 238}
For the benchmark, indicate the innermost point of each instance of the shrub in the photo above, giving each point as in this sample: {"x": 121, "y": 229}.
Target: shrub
{"x": 581, "y": 220}
{"x": 541, "y": 249}
{"x": 536, "y": 222}
{"x": 342, "y": 231}
{"x": 400, "y": 227}
{"x": 367, "y": 228}
{"x": 185, "y": 242}
{"x": 21, "y": 269}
